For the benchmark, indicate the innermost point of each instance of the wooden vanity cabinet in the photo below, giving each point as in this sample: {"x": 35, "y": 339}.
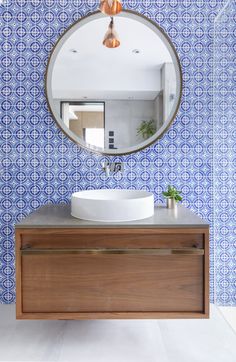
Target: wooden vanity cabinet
{"x": 112, "y": 272}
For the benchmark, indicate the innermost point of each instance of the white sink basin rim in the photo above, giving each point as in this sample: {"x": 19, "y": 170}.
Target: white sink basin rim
{"x": 112, "y": 205}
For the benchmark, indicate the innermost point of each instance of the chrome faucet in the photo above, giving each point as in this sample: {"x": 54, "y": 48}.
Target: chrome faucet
{"x": 112, "y": 167}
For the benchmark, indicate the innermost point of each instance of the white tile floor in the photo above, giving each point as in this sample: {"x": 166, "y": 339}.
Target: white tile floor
{"x": 229, "y": 314}
{"x": 211, "y": 340}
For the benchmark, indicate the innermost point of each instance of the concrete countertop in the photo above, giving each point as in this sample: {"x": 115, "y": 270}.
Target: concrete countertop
{"x": 58, "y": 216}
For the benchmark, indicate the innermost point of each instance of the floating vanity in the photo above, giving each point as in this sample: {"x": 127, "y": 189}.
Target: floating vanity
{"x": 67, "y": 268}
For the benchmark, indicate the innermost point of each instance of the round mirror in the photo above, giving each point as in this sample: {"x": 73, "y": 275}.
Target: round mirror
{"x": 114, "y": 100}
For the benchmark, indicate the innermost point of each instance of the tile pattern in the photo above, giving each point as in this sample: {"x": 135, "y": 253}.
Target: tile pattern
{"x": 40, "y": 165}
{"x": 224, "y": 106}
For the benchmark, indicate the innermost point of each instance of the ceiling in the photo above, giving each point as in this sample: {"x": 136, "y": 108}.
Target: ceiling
{"x": 86, "y": 68}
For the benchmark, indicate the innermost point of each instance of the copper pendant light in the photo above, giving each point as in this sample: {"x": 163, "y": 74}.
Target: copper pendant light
{"x": 111, "y": 39}
{"x": 110, "y": 7}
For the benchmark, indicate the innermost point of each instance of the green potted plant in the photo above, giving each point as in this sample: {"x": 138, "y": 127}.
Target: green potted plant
{"x": 172, "y": 196}
{"x": 147, "y": 129}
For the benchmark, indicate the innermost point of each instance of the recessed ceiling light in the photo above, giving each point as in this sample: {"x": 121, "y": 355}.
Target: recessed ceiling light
{"x": 136, "y": 51}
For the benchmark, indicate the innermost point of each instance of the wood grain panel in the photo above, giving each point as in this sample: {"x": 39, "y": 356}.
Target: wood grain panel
{"x": 112, "y": 315}
{"x": 112, "y": 283}
{"x": 108, "y": 238}
{"x": 186, "y": 282}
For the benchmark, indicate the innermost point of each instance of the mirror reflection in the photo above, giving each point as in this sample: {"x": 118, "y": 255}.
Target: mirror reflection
{"x": 86, "y": 120}
{"x": 114, "y": 100}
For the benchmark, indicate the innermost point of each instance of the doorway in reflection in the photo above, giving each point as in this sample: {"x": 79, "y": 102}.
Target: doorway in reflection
{"x": 86, "y": 120}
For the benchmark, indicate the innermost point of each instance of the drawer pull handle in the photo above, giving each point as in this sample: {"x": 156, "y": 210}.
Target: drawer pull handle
{"x": 98, "y": 251}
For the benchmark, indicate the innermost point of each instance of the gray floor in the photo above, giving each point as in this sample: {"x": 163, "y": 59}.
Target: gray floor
{"x": 117, "y": 341}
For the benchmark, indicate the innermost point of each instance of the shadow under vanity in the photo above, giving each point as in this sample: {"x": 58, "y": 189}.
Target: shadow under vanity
{"x": 68, "y": 268}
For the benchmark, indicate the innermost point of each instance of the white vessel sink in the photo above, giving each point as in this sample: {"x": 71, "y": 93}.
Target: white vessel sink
{"x": 112, "y": 205}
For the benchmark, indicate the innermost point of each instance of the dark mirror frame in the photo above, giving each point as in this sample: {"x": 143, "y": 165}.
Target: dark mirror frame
{"x": 48, "y": 90}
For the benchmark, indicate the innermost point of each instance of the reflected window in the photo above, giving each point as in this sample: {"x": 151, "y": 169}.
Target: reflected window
{"x": 86, "y": 120}
{"x": 95, "y": 137}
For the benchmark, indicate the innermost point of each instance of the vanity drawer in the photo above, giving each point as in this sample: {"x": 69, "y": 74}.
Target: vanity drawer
{"x": 107, "y": 238}
{"x": 112, "y": 273}
{"x": 58, "y": 282}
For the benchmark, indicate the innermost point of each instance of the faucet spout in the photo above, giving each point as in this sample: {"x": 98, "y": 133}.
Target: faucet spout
{"x": 112, "y": 167}
{"x": 106, "y": 168}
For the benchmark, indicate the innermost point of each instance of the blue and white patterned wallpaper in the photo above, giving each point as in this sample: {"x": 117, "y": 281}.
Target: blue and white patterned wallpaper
{"x": 40, "y": 165}
{"x": 224, "y": 155}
